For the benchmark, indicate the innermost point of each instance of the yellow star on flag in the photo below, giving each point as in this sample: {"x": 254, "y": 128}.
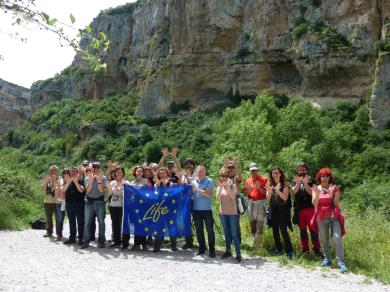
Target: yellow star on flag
{"x": 147, "y": 194}
{"x": 141, "y": 201}
{"x": 171, "y": 222}
{"x": 136, "y": 211}
{"x": 166, "y": 195}
{"x": 146, "y": 229}
{"x": 173, "y": 201}
{"x": 164, "y": 230}
{"x": 174, "y": 211}
{"x": 155, "y": 233}
{"x": 139, "y": 221}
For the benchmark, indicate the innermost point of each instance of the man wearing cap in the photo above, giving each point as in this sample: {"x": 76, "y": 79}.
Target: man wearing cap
{"x": 256, "y": 192}
{"x": 95, "y": 183}
{"x": 49, "y": 186}
{"x": 171, "y": 164}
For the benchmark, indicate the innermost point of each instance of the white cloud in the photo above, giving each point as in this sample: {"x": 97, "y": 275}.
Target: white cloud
{"x": 42, "y": 56}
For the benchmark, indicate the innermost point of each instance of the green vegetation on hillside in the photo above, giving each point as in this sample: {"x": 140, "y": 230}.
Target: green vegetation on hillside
{"x": 268, "y": 130}
{"x": 323, "y": 33}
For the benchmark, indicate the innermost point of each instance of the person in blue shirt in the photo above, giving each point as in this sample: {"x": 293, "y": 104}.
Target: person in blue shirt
{"x": 201, "y": 210}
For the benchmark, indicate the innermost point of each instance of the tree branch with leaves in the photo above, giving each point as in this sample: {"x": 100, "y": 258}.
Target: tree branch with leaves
{"x": 25, "y": 12}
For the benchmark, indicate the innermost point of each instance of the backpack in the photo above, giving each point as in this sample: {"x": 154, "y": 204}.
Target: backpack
{"x": 242, "y": 204}
{"x": 39, "y": 223}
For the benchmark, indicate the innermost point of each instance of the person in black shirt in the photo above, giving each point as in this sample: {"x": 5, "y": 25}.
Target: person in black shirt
{"x": 74, "y": 191}
{"x": 303, "y": 207}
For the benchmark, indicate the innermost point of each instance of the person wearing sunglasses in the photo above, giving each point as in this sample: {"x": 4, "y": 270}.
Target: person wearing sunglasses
{"x": 328, "y": 218}
{"x": 226, "y": 195}
{"x": 95, "y": 183}
{"x": 50, "y": 184}
{"x": 172, "y": 165}
{"x": 255, "y": 190}
{"x": 84, "y": 173}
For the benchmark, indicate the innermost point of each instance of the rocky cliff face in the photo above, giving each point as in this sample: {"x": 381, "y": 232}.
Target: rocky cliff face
{"x": 14, "y": 105}
{"x": 199, "y": 53}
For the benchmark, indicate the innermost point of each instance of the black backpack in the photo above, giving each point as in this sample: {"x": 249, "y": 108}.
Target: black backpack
{"x": 39, "y": 223}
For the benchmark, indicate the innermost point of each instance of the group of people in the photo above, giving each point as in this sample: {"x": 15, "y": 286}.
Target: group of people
{"x": 81, "y": 192}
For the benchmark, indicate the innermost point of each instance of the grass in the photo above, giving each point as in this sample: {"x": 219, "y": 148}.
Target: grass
{"x": 366, "y": 244}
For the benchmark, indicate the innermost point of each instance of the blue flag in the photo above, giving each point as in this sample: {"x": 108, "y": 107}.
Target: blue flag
{"x": 157, "y": 211}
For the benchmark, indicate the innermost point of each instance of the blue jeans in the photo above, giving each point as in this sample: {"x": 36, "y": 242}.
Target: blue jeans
{"x": 60, "y": 220}
{"x": 75, "y": 211}
{"x": 230, "y": 228}
{"x": 205, "y": 216}
{"x": 99, "y": 209}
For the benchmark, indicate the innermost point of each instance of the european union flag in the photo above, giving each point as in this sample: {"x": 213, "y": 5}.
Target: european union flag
{"x": 157, "y": 211}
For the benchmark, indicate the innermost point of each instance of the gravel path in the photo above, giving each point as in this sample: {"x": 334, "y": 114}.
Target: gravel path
{"x": 29, "y": 262}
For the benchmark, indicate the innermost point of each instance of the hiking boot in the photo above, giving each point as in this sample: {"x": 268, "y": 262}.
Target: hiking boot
{"x": 81, "y": 242}
{"x": 212, "y": 254}
{"x": 318, "y": 252}
{"x": 70, "y": 241}
{"x": 200, "y": 252}
{"x": 112, "y": 245}
{"x": 187, "y": 246}
{"x": 238, "y": 258}
{"x": 325, "y": 263}
{"x": 58, "y": 238}
{"x": 135, "y": 248}
{"x": 85, "y": 245}
{"x": 145, "y": 247}
{"x": 48, "y": 235}
{"x": 173, "y": 248}
{"x": 342, "y": 267}
{"x": 289, "y": 255}
{"x": 101, "y": 245}
{"x": 150, "y": 241}
{"x": 226, "y": 254}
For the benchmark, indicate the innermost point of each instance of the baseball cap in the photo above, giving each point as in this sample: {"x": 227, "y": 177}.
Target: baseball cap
{"x": 253, "y": 166}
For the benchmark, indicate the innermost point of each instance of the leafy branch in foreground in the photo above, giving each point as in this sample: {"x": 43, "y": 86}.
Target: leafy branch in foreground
{"x": 25, "y": 12}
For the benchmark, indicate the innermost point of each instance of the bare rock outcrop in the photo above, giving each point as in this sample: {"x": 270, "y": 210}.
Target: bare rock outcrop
{"x": 14, "y": 105}
{"x": 199, "y": 53}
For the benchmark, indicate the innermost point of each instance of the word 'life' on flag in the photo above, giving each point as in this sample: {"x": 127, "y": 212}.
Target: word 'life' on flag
{"x": 157, "y": 211}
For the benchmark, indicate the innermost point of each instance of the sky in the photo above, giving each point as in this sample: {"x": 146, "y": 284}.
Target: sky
{"x": 42, "y": 56}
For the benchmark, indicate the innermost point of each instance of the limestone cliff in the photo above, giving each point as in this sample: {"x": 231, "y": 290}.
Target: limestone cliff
{"x": 198, "y": 53}
{"x": 14, "y": 105}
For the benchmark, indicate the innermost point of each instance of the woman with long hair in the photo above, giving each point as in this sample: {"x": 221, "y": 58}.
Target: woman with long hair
{"x": 279, "y": 200}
